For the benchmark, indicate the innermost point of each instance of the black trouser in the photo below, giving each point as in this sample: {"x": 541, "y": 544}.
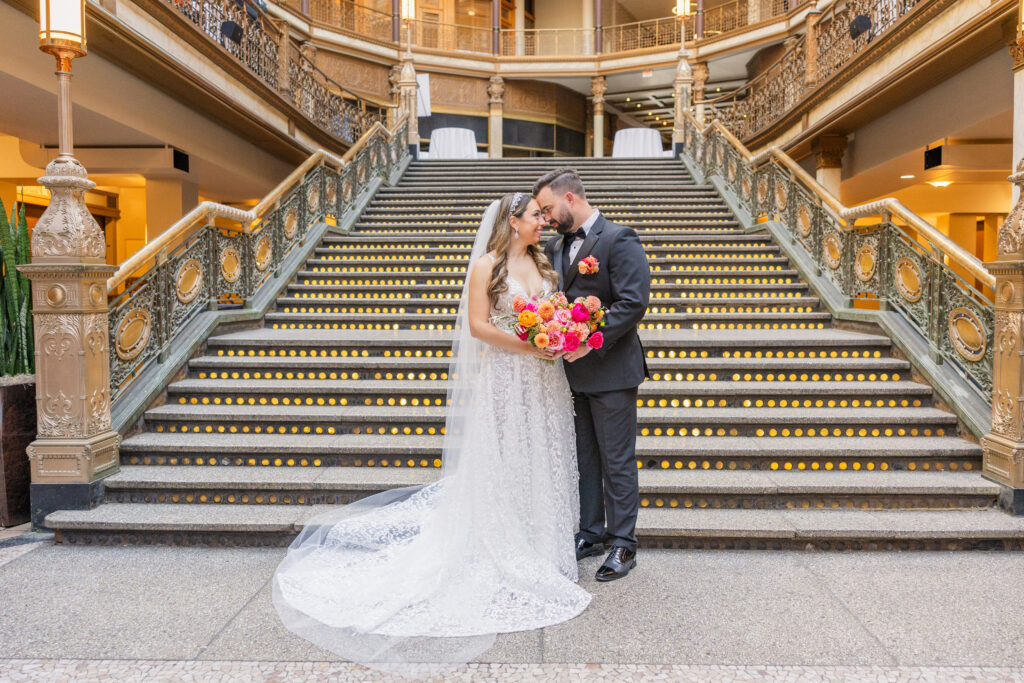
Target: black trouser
{"x": 606, "y": 451}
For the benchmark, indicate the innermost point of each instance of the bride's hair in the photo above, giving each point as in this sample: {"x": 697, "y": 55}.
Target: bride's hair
{"x": 513, "y": 204}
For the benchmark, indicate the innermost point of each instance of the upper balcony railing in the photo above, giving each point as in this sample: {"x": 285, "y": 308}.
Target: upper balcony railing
{"x": 367, "y": 22}
{"x": 246, "y": 33}
{"x": 813, "y": 59}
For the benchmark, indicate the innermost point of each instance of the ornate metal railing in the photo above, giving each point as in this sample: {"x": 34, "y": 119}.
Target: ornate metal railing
{"x": 879, "y": 252}
{"x": 538, "y": 42}
{"x": 258, "y": 39}
{"x": 351, "y": 16}
{"x": 223, "y": 256}
{"x": 246, "y": 33}
{"x": 641, "y": 34}
{"x": 727, "y": 17}
{"x": 812, "y": 59}
{"x": 449, "y": 37}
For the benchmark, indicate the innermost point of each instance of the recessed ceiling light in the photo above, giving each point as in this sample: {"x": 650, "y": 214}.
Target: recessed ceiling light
{"x": 940, "y": 183}
{"x": 906, "y": 177}
{"x": 637, "y": 105}
{"x": 628, "y": 99}
{"x": 472, "y": 13}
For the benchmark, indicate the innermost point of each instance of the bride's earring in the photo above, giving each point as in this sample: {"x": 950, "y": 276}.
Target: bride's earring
{"x": 515, "y": 231}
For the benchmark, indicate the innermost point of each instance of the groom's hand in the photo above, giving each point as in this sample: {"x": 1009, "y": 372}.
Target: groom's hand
{"x": 577, "y": 354}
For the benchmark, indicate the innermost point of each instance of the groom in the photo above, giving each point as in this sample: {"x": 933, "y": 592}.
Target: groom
{"x": 604, "y": 381}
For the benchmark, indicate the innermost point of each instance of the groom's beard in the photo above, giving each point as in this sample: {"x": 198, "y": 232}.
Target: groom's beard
{"x": 563, "y": 223}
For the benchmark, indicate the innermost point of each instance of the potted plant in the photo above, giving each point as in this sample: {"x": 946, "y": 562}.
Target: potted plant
{"x": 17, "y": 367}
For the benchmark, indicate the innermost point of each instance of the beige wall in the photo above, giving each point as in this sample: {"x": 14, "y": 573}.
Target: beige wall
{"x": 561, "y": 14}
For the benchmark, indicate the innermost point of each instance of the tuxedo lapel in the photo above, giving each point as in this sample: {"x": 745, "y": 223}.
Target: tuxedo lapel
{"x": 585, "y": 249}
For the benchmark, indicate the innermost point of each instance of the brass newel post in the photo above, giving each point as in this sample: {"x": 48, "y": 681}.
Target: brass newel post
{"x": 682, "y": 88}
{"x": 75, "y": 446}
{"x": 1004, "y": 446}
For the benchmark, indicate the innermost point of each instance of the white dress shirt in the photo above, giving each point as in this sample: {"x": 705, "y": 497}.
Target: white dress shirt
{"x": 578, "y": 244}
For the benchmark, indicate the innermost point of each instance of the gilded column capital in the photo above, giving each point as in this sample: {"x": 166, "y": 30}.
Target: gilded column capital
{"x": 598, "y": 87}
{"x": 1017, "y": 52}
{"x": 700, "y": 74}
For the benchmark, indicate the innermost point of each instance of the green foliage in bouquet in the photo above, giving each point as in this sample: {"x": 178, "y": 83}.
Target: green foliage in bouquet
{"x": 16, "y": 345}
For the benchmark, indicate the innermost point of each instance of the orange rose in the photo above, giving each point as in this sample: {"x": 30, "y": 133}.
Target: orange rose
{"x": 541, "y": 341}
{"x": 527, "y": 318}
{"x": 546, "y": 310}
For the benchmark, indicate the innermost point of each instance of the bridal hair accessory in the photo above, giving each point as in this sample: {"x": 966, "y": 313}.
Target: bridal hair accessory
{"x": 519, "y": 200}
{"x": 589, "y": 266}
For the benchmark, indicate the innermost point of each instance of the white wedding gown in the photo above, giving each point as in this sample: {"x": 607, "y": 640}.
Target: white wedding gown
{"x": 426, "y": 576}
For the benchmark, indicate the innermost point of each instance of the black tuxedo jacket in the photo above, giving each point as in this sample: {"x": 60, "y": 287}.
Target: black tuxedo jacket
{"x": 623, "y": 283}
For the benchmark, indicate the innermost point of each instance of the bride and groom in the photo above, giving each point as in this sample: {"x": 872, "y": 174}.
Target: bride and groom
{"x": 539, "y": 466}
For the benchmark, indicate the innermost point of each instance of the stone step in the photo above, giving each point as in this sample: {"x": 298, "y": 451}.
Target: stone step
{"x": 476, "y": 207}
{"x": 659, "y": 343}
{"x": 597, "y": 193}
{"x": 700, "y": 489}
{"x": 212, "y": 366}
{"x": 397, "y": 274}
{"x": 826, "y": 529}
{"x": 659, "y": 292}
{"x": 350, "y": 251}
{"x": 691, "y": 215}
{"x": 303, "y": 304}
{"x": 399, "y": 243}
{"x": 669, "y": 261}
{"x": 653, "y": 452}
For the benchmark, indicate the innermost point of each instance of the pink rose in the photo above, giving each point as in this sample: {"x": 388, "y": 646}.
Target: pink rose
{"x": 530, "y": 307}
{"x": 580, "y": 313}
{"x": 559, "y": 300}
{"x": 563, "y": 316}
{"x": 593, "y": 304}
{"x": 571, "y": 342}
{"x": 596, "y": 340}
{"x": 555, "y": 341}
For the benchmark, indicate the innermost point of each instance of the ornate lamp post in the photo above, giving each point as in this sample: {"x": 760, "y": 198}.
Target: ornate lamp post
{"x": 407, "y": 80}
{"x": 75, "y": 446}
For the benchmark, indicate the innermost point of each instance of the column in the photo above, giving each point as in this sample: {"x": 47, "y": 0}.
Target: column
{"x": 598, "y": 23}
{"x": 811, "y": 49}
{"x": 496, "y": 90}
{"x": 75, "y": 446}
{"x": 496, "y": 27}
{"x": 682, "y": 87}
{"x": 1004, "y": 446}
{"x": 828, "y": 151}
{"x": 588, "y": 140}
{"x": 698, "y": 31}
{"x": 598, "y": 87}
{"x": 407, "y": 101}
{"x": 700, "y": 79}
{"x": 167, "y": 200}
{"x": 396, "y": 21}
{"x": 1017, "y": 50}
{"x": 520, "y": 27}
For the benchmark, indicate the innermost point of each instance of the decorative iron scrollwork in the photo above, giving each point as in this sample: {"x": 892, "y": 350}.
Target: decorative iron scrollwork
{"x": 967, "y": 334}
{"x": 133, "y": 333}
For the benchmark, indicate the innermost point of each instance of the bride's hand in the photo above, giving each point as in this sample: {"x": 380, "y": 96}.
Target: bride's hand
{"x": 546, "y": 354}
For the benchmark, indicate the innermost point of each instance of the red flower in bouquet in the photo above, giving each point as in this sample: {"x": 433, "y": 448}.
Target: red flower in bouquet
{"x": 596, "y": 340}
{"x": 556, "y": 324}
{"x": 580, "y": 313}
{"x": 570, "y": 343}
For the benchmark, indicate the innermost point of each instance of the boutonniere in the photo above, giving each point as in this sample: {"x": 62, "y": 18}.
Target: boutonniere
{"x": 589, "y": 266}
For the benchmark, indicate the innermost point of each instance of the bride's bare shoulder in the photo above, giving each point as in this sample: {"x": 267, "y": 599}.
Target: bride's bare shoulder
{"x": 483, "y": 266}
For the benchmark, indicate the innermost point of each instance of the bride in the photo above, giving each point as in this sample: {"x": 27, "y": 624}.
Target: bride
{"x": 426, "y": 576}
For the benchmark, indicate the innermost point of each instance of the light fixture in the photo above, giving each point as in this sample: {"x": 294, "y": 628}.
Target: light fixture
{"x": 62, "y": 28}
{"x": 472, "y": 13}
{"x": 940, "y": 183}
{"x": 906, "y": 177}
{"x": 408, "y": 9}
{"x": 638, "y": 105}
{"x": 629, "y": 98}
{"x": 682, "y": 8}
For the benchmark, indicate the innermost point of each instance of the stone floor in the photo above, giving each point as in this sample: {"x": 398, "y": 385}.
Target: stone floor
{"x": 156, "y": 614}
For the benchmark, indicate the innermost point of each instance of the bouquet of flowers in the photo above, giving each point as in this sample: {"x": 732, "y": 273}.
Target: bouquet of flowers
{"x": 555, "y": 324}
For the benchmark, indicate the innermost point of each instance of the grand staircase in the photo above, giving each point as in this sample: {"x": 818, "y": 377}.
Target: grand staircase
{"x": 763, "y": 426}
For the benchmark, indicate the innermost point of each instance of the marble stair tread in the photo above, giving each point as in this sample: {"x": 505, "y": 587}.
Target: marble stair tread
{"x": 703, "y": 416}
{"x": 448, "y": 303}
{"x": 731, "y": 388}
{"x": 833, "y": 365}
{"x": 693, "y": 338}
{"x": 739, "y": 482}
{"x": 651, "y": 523}
{"x": 653, "y": 447}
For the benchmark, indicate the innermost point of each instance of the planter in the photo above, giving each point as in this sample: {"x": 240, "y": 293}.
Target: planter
{"x": 17, "y": 431}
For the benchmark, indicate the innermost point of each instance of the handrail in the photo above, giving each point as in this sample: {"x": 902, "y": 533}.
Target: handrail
{"x": 971, "y": 263}
{"x": 181, "y": 229}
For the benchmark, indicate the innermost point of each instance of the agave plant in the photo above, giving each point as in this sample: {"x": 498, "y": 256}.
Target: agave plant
{"x": 16, "y": 337}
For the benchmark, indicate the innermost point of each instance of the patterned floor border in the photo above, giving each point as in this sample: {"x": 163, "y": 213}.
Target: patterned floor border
{"x": 86, "y": 670}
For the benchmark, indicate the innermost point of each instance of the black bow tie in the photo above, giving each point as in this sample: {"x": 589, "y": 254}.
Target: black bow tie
{"x": 577, "y": 235}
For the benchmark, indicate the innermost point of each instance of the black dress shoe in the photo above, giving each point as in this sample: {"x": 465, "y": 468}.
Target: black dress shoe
{"x": 620, "y": 561}
{"x": 585, "y": 548}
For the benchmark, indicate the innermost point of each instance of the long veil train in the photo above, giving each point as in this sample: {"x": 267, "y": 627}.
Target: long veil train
{"x": 420, "y": 579}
